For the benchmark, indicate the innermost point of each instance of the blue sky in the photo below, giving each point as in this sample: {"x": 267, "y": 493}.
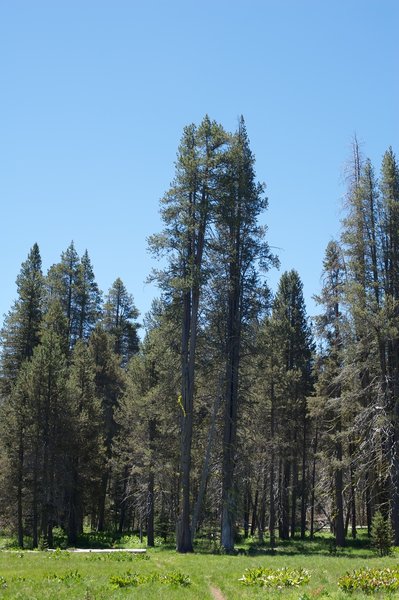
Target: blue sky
{"x": 94, "y": 96}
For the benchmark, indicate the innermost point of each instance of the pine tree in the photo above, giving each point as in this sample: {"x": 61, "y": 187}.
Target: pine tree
{"x": 389, "y": 187}
{"x": 329, "y": 406}
{"x": 46, "y": 383}
{"x": 20, "y": 333}
{"x": 85, "y": 451}
{"x": 19, "y": 337}
{"x": 62, "y": 281}
{"x": 186, "y": 212}
{"x": 295, "y": 343}
{"x": 381, "y": 534}
{"x": 120, "y": 315}
{"x": 72, "y": 283}
{"x": 109, "y": 383}
{"x": 87, "y": 298}
{"x": 240, "y": 245}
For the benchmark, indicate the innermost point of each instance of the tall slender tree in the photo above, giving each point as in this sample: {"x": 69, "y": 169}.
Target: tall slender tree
{"x": 186, "y": 212}
{"x": 295, "y": 358}
{"x": 330, "y": 406}
{"x": 19, "y": 337}
{"x": 241, "y": 247}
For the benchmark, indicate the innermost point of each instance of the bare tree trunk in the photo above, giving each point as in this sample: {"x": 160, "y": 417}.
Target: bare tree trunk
{"x": 247, "y": 507}
{"x": 19, "y": 488}
{"x": 294, "y": 492}
{"x": 339, "y": 521}
{"x": 272, "y": 499}
{"x": 229, "y": 501}
{"x": 189, "y": 336}
{"x": 285, "y": 500}
{"x": 122, "y": 513}
{"x": 254, "y": 518}
{"x": 150, "y": 511}
{"x": 101, "y": 501}
{"x": 303, "y": 474}
{"x": 262, "y": 512}
{"x": 312, "y": 497}
{"x": 205, "y": 468}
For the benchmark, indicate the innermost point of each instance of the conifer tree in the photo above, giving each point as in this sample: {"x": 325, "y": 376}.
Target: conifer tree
{"x": 241, "y": 248}
{"x": 295, "y": 355}
{"x": 20, "y": 332}
{"x": 72, "y": 283}
{"x": 19, "y": 337}
{"x": 329, "y": 406}
{"x": 46, "y": 392}
{"x": 109, "y": 384}
{"x": 120, "y": 315}
{"x": 87, "y": 298}
{"x": 61, "y": 281}
{"x": 389, "y": 187}
{"x": 186, "y": 212}
{"x": 85, "y": 451}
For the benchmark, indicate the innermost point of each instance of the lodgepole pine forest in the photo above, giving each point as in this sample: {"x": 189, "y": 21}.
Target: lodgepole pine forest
{"x": 234, "y": 413}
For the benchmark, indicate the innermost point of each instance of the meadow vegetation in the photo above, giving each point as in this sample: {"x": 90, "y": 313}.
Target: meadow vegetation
{"x": 295, "y": 569}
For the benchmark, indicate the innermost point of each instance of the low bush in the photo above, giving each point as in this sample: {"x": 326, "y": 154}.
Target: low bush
{"x": 175, "y": 578}
{"x": 370, "y": 580}
{"x": 59, "y": 554}
{"x": 67, "y": 577}
{"x": 278, "y": 578}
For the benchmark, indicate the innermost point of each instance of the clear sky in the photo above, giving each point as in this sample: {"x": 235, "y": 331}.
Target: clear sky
{"x": 94, "y": 95}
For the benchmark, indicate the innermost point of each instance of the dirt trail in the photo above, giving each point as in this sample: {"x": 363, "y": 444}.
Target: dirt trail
{"x": 216, "y": 593}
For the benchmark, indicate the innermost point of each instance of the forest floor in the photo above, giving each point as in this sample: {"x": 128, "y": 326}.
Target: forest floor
{"x": 161, "y": 573}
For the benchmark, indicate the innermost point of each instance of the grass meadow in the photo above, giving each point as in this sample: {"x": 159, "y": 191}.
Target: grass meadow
{"x": 162, "y": 573}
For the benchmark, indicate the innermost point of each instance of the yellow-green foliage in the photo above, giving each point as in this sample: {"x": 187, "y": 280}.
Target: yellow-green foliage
{"x": 370, "y": 580}
{"x": 135, "y": 579}
{"x": 275, "y": 578}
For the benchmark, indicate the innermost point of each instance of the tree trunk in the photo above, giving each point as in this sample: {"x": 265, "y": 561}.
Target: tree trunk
{"x": 254, "y": 518}
{"x": 101, "y": 501}
{"x": 150, "y": 511}
{"x": 272, "y": 499}
{"x": 189, "y": 338}
{"x": 339, "y": 521}
{"x": 19, "y": 489}
{"x": 205, "y": 468}
{"x": 285, "y": 500}
{"x": 294, "y": 492}
{"x": 247, "y": 507}
{"x": 312, "y": 497}
{"x": 229, "y": 501}
{"x": 303, "y": 474}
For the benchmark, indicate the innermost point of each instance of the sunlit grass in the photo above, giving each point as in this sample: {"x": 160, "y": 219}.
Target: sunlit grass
{"x": 62, "y": 575}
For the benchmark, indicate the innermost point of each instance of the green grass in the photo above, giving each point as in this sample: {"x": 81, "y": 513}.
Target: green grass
{"x": 61, "y": 575}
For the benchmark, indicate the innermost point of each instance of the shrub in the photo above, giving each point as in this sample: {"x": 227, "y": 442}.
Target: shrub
{"x": 127, "y": 580}
{"x": 59, "y": 554}
{"x": 67, "y": 577}
{"x": 278, "y": 578}
{"x": 381, "y": 535}
{"x": 134, "y": 579}
{"x": 3, "y": 582}
{"x": 370, "y": 580}
{"x": 175, "y": 578}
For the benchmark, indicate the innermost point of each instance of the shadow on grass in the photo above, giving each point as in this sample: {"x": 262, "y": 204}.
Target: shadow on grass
{"x": 319, "y": 546}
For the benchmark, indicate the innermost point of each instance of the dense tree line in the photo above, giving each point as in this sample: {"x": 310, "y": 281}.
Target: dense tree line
{"x": 235, "y": 415}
